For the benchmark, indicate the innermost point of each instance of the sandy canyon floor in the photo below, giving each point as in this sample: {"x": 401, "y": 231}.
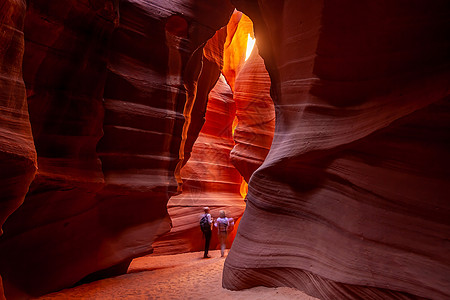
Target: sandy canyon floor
{"x": 181, "y": 276}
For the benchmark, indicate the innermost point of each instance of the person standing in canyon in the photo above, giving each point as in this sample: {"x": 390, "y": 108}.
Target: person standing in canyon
{"x": 222, "y": 223}
{"x": 205, "y": 225}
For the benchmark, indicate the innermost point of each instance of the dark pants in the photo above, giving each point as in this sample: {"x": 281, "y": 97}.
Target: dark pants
{"x": 207, "y": 235}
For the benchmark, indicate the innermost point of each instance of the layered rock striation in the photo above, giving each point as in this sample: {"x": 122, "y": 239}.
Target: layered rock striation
{"x": 64, "y": 69}
{"x": 110, "y": 88}
{"x": 105, "y": 98}
{"x": 17, "y": 151}
{"x": 255, "y": 115}
{"x": 354, "y": 191}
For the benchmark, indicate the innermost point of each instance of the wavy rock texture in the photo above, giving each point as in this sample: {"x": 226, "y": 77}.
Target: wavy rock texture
{"x": 109, "y": 89}
{"x": 352, "y": 199}
{"x": 57, "y": 227}
{"x": 256, "y": 116}
{"x": 17, "y": 151}
{"x": 209, "y": 179}
{"x": 250, "y": 82}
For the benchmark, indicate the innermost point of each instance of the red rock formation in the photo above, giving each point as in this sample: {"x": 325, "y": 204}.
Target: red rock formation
{"x": 352, "y": 200}
{"x": 209, "y": 179}
{"x": 107, "y": 99}
{"x": 64, "y": 68}
{"x": 17, "y": 152}
{"x": 256, "y": 116}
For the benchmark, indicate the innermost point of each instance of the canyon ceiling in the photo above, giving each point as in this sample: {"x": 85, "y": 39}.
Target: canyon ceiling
{"x": 102, "y": 103}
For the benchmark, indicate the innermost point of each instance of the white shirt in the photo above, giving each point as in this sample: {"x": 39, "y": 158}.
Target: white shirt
{"x": 223, "y": 221}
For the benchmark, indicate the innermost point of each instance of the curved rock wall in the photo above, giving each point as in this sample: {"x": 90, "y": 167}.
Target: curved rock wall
{"x": 110, "y": 86}
{"x": 17, "y": 151}
{"x": 64, "y": 68}
{"x": 352, "y": 199}
{"x": 256, "y": 116}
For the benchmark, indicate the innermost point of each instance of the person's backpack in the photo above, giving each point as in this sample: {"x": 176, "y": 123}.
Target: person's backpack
{"x": 223, "y": 224}
{"x": 204, "y": 224}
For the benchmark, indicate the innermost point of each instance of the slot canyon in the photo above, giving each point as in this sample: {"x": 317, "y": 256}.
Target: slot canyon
{"x": 121, "y": 119}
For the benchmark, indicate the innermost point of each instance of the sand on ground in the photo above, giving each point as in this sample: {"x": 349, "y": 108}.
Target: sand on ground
{"x": 180, "y": 276}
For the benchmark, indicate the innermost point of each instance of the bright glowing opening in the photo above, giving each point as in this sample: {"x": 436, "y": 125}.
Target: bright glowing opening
{"x": 250, "y": 45}
{"x": 244, "y": 188}
{"x": 234, "y": 125}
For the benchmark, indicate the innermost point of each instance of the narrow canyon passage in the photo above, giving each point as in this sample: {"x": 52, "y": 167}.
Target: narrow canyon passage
{"x": 233, "y": 142}
{"x": 121, "y": 120}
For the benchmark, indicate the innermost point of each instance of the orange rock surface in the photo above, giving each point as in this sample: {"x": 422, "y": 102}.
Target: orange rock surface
{"x": 352, "y": 199}
{"x": 17, "y": 151}
{"x": 106, "y": 98}
{"x": 255, "y": 115}
{"x": 109, "y": 85}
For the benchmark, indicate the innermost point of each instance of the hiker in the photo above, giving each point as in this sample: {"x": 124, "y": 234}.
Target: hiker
{"x": 222, "y": 224}
{"x": 205, "y": 226}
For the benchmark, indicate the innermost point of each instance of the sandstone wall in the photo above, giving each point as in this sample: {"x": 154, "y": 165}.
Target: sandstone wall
{"x": 352, "y": 199}
{"x": 110, "y": 87}
{"x": 17, "y": 151}
{"x": 255, "y": 114}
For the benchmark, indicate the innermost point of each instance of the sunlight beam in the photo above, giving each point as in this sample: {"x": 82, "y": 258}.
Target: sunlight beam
{"x": 250, "y": 45}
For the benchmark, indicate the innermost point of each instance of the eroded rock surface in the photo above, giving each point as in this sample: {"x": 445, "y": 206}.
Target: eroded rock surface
{"x": 352, "y": 199}
{"x": 108, "y": 85}
{"x": 255, "y": 114}
{"x": 64, "y": 68}
{"x": 17, "y": 151}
